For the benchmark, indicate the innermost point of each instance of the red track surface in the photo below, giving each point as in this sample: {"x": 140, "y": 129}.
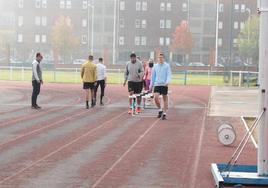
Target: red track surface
{"x": 64, "y": 145}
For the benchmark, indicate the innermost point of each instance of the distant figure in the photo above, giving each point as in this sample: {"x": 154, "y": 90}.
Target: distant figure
{"x": 148, "y": 74}
{"x": 134, "y": 75}
{"x": 101, "y": 80}
{"x": 37, "y": 79}
{"x": 161, "y": 77}
{"x": 89, "y": 78}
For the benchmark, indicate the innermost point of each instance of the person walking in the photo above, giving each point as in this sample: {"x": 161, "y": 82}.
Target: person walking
{"x": 37, "y": 79}
{"x": 134, "y": 73}
{"x": 161, "y": 77}
{"x": 89, "y": 78}
{"x": 148, "y": 74}
{"x": 101, "y": 80}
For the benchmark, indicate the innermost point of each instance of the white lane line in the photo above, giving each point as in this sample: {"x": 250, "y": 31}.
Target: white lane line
{"x": 124, "y": 154}
{"x": 59, "y": 149}
{"x": 247, "y": 129}
{"x": 198, "y": 151}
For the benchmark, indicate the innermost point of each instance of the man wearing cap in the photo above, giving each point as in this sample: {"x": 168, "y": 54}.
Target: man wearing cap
{"x": 134, "y": 73}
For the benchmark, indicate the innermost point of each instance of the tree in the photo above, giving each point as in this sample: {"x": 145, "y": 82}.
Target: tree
{"x": 7, "y": 40}
{"x": 63, "y": 39}
{"x": 248, "y": 40}
{"x": 182, "y": 42}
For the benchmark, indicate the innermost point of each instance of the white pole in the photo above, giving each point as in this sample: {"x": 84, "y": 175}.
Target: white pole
{"x": 217, "y": 32}
{"x": 114, "y": 34}
{"x": 92, "y": 29}
{"x": 263, "y": 68}
{"x": 88, "y": 27}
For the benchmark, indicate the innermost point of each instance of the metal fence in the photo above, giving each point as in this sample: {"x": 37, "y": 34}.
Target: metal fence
{"x": 116, "y": 76}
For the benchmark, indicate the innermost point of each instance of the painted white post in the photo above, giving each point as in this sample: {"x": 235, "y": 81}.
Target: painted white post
{"x": 240, "y": 79}
{"x": 263, "y": 99}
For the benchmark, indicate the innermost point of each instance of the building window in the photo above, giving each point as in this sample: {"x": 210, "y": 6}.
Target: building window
{"x": 84, "y": 4}
{"x": 44, "y": 21}
{"x": 44, "y": 38}
{"x": 221, "y": 7}
{"x": 20, "y": 3}
{"x": 37, "y": 38}
{"x": 20, "y": 21}
{"x": 168, "y": 24}
{"x": 143, "y": 24}
{"x": 243, "y": 8}
{"x": 162, "y": 24}
{"x": 220, "y": 42}
{"x": 20, "y": 38}
{"x": 62, "y": 4}
{"x": 37, "y": 3}
{"x": 162, "y": 6}
{"x": 167, "y": 41}
{"x": 37, "y": 21}
{"x": 143, "y": 41}
{"x": 68, "y": 4}
{"x": 161, "y": 41}
{"x": 137, "y": 41}
{"x": 235, "y": 42}
{"x": 220, "y": 25}
{"x": 236, "y": 7}
{"x": 122, "y": 5}
{"x": 235, "y": 25}
{"x": 168, "y": 6}
{"x": 121, "y": 41}
{"x": 84, "y": 22}
{"x": 144, "y": 6}
{"x": 242, "y": 25}
{"x": 138, "y": 6}
{"x": 184, "y": 7}
{"x": 137, "y": 23}
{"x": 44, "y": 3}
{"x": 121, "y": 23}
{"x": 84, "y": 39}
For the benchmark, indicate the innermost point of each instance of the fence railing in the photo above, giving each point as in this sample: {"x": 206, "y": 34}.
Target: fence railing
{"x": 116, "y": 76}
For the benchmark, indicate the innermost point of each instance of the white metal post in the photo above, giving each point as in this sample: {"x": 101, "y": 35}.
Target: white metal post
{"x": 217, "y": 32}
{"x": 263, "y": 68}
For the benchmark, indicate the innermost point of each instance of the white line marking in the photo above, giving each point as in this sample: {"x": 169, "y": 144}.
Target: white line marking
{"x": 198, "y": 152}
{"x": 43, "y": 127}
{"x": 247, "y": 129}
{"x": 124, "y": 155}
{"x": 59, "y": 149}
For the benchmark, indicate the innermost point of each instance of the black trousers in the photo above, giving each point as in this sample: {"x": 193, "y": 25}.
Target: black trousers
{"x": 36, "y": 91}
{"x": 100, "y": 83}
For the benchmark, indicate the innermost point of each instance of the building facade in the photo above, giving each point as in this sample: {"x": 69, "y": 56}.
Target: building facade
{"x": 147, "y": 26}
{"x": 36, "y": 19}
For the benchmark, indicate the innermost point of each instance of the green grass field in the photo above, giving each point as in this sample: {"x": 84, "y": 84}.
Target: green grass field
{"x": 115, "y": 77}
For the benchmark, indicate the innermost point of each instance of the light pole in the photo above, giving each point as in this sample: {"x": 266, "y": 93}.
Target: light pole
{"x": 115, "y": 39}
{"x": 217, "y": 32}
{"x": 92, "y": 26}
{"x": 248, "y": 27}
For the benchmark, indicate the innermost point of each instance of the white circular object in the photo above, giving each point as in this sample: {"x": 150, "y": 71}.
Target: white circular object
{"x": 226, "y": 136}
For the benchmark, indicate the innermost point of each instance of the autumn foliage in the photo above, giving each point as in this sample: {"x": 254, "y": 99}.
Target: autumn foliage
{"x": 182, "y": 42}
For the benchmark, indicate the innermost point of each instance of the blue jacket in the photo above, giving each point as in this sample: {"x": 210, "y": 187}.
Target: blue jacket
{"x": 161, "y": 75}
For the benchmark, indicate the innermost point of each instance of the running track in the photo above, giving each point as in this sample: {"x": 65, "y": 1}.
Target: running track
{"x": 65, "y": 145}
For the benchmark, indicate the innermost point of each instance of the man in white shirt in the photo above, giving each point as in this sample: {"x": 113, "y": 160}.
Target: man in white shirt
{"x": 101, "y": 79}
{"x": 37, "y": 79}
